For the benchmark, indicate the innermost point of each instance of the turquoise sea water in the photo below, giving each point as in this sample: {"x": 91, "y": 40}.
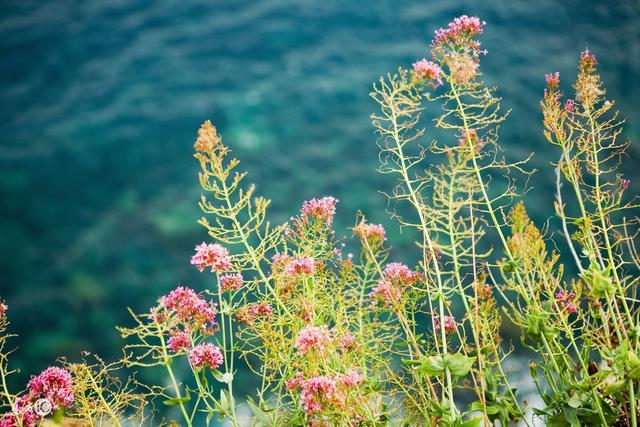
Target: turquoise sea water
{"x": 100, "y": 102}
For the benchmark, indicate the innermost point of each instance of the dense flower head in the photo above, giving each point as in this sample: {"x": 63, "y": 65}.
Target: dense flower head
{"x": 350, "y": 379}
{"x": 450, "y": 324}
{"x": 312, "y": 338}
{"x": 207, "y": 137}
{"x": 588, "y": 60}
{"x": 428, "y": 70}
{"x": 179, "y": 340}
{"x": 295, "y": 383}
{"x": 300, "y": 265}
{"x": 54, "y": 384}
{"x": 374, "y": 234}
{"x": 188, "y": 306}
{"x": 231, "y": 282}
{"x": 462, "y": 67}
{"x": 399, "y": 273}
{"x": 461, "y": 28}
{"x": 588, "y": 85}
{"x": 552, "y": 79}
{"x": 211, "y": 255}
{"x": 23, "y": 414}
{"x": 386, "y": 293}
{"x": 206, "y": 356}
{"x": 322, "y": 209}
{"x": 317, "y": 391}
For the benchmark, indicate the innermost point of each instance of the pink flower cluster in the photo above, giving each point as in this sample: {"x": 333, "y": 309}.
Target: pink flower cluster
{"x": 450, "y": 324}
{"x": 566, "y": 300}
{"x": 322, "y": 209}
{"x": 552, "y": 79}
{"x": 399, "y": 273}
{"x": 428, "y": 70}
{"x": 231, "y": 282}
{"x": 54, "y": 384}
{"x": 179, "y": 340}
{"x": 211, "y": 255}
{"x": 463, "y": 68}
{"x": 372, "y": 232}
{"x": 386, "y": 293}
{"x": 588, "y": 60}
{"x": 462, "y": 27}
{"x": 206, "y": 356}
{"x": 312, "y": 338}
{"x": 3, "y": 309}
{"x": 346, "y": 342}
{"x": 300, "y": 265}
{"x": 321, "y": 391}
{"x": 189, "y": 307}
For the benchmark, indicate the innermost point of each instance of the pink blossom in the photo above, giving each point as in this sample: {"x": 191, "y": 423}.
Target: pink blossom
{"x": 566, "y": 300}
{"x": 261, "y": 309}
{"x": 188, "y": 306}
{"x": 3, "y": 309}
{"x": 312, "y": 338}
{"x": 399, "y": 273}
{"x": 206, "y": 355}
{"x": 295, "y": 382}
{"x": 624, "y": 183}
{"x": 428, "y": 70}
{"x": 23, "y": 414}
{"x": 352, "y": 378}
{"x": 54, "y": 384}
{"x": 552, "y": 79}
{"x": 386, "y": 293}
{"x": 449, "y": 324}
{"x": 372, "y": 232}
{"x": 211, "y": 255}
{"x": 588, "y": 60}
{"x": 231, "y": 282}
{"x": 321, "y": 209}
{"x": 300, "y": 265}
{"x": 180, "y": 340}
{"x": 460, "y": 28}
{"x": 346, "y": 341}
{"x": 316, "y": 391}
{"x": 569, "y": 105}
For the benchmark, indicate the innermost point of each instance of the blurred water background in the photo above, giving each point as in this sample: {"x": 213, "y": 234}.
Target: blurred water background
{"x": 100, "y": 102}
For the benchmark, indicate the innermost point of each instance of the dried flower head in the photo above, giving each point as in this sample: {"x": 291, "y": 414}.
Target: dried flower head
{"x": 207, "y": 137}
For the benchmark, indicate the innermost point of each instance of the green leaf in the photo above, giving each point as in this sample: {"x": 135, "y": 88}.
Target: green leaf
{"x": 458, "y": 364}
{"x": 432, "y": 366}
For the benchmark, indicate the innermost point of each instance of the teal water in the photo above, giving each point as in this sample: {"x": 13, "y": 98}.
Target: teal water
{"x": 100, "y": 102}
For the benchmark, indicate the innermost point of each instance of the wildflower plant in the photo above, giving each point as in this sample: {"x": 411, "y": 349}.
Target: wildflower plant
{"x": 338, "y": 332}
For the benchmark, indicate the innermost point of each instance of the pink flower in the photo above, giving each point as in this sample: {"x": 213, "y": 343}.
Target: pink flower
{"x": 54, "y": 384}
{"x": 372, "y": 232}
{"x": 206, "y": 355}
{"x": 180, "y": 340}
{"x": 552, "y": 79}
{"x": 211, "y": 255}
{"x": 346, "y": 341}
{"x": 188, "y": 306}
{"x": 399, "y": 273}
{"x": 23, "y": 414}
{"x": 624, "y": 183}
{"x": 569, "y": 105}
{"x": 587, "y": 60}
{"x": 261, "y": 309}
{"x": 300, "y": 265}
{"x": 295, "y": 382}
{"x": 248, "y": 314}
{"x": 319, "y": 390}
{"x": 463, "y": 27}
{"x": 3, "y": 309}
{"x": 350, "y": 379}
{"x": 449, "y": 324}
{"x": 321, "y": 209}
{"x": 428, "y": 70}
{"x": 566, "y": 300}
{"x": 386, "y": 293}
{"x": 231, "y": 282}
{"x": 312, "y": 338}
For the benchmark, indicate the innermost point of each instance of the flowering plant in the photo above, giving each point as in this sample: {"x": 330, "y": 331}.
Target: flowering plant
{"x": 364, "y": 340}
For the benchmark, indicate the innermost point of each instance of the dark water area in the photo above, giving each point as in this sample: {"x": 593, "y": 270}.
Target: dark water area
{"x": 100, "y": 102}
